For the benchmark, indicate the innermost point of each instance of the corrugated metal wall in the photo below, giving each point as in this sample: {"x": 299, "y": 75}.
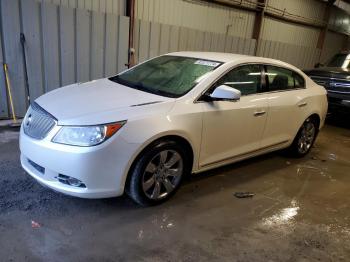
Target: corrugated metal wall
{"x": 195, "y": 15}
{"x": 3, "y": 92}
{"x": 306, "y": 8}
{"x": 75, "y": 40}
{"x": 339, "y": 20}
{"x": 219, "y": 19}
{"x": 105, "y": 6}
{"x": 333, "y": 43}
{"x": 285, "y": 32}
{"x": 173, "y": 25}
{"x": 152, "y": 39}
{"x": 64, "y": 45}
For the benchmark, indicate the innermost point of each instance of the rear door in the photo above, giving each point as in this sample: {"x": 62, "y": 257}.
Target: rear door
{"x": 287, "y": 100}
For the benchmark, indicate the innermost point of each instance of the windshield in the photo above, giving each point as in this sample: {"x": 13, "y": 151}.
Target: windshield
{"x": 337, "y": 60}
{"x": 171, "y": 76}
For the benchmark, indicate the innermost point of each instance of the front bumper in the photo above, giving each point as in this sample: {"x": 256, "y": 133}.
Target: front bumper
{"x": 101, "y": 168}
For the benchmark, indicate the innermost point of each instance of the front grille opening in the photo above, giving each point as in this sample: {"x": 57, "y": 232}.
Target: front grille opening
{"x": 38, "y": 123}
{"x": 36, "y": 166}
{"x": 70, "y": 181}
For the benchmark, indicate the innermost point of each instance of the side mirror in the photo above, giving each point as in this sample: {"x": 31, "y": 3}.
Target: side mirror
{"x": 226, "y": 93}
{"x": 318, "y": 65}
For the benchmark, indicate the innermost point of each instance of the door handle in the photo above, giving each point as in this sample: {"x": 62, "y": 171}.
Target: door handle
{"x": 302, "y": 104}
{"x": 259, "y": 113}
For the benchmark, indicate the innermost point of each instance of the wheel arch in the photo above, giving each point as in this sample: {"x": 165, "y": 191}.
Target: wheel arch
{"x": 174, "y": 137}
{"x": 313, "y": 115}
{"x": 317, "y": 118}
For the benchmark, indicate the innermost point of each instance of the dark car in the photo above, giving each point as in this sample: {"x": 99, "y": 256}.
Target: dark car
{"x": 335, "y": 77}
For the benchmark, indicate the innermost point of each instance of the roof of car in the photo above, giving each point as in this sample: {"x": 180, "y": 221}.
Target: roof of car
{"x": 230, "y": 57}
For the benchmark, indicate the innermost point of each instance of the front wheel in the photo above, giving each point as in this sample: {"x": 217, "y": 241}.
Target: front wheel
{"x": 157, "y": 173}
{"x": 305, "y": 138}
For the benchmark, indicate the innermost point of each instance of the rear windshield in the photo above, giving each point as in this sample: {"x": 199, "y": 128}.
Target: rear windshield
{"x": 171, "y": 76}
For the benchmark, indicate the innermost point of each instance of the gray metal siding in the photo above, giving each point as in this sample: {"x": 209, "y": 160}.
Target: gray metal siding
{"x": 123, "y": 40}
{"x": 196, "y": 25}
{"x": 10, "y": 18}
{"x": 64, "y": 45}
{"x": 3, "y": 97}
{"x": 67, "y": 45}
{"x": 285, "y": 32}
{"x": 153, "y": 39}
{"x": 32, "y": 31}
{"x": 306, "y": 8}
{"x": 50, "y": 46}
{"x": 83, "y": 23}
{"x": 194, "y": 15}
{"x": 116, "y": 7}
{"x": 332, "y": 45}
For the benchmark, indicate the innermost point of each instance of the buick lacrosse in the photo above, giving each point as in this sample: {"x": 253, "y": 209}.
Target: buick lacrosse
{"x": 143, "y": 130}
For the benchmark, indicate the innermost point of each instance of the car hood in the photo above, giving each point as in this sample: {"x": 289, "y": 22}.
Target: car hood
{"x": 100, "y": 101}
{"x": 331, "y": 72}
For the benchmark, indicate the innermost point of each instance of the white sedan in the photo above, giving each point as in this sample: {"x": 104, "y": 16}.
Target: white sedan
{"x": 143, "y": 130}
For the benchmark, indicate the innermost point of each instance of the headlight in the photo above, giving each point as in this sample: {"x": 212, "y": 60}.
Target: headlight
{"x": 86, "y": 135}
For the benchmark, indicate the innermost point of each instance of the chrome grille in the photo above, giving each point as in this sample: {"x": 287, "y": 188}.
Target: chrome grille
{"x": 38, "y": 123}
{"x": 339, "y": 87}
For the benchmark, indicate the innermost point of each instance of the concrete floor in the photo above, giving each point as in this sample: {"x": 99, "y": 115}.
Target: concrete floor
{"x": 300, "y": 212}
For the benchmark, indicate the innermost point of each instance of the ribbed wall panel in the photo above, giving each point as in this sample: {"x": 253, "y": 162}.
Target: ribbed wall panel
{"x": 105, "y": 6}
{"x": 285, "y": 32}
{"x": 333, "y": 44}
{"x": 196, "y": 15}
{"x": 64, "y": 45}
{"x": 306, "y": 8}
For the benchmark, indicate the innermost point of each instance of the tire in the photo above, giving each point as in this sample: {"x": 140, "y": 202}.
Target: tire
{"x": 157, "y": 173}
{"x": 304, "y": 139}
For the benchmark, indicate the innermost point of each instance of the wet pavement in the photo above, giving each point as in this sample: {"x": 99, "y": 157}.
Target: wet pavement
{"x": 300, "y": 212}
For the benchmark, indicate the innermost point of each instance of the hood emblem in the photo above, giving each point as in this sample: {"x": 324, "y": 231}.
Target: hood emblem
{"x": 29, "y": 120}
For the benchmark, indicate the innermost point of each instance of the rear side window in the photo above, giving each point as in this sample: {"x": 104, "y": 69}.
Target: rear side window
{"x": 299, "y": 81}
{"x": 283, "y": 79}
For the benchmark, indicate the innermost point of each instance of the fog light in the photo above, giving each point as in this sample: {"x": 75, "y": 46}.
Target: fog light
{"x": 74, "y": 182}
{"x": 71, "y": 181}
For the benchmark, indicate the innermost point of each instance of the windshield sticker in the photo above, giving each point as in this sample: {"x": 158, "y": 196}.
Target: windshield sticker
{"x": 207, "y": 63}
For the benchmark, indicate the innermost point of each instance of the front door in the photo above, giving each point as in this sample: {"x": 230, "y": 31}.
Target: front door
{"x": 230, "y": 128}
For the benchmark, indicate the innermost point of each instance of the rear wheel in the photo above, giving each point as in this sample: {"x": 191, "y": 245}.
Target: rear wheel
{"x": 305, "y": 138}
{"x": 157, "y": 173}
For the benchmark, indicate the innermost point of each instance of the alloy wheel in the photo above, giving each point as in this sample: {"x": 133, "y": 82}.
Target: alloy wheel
{"x": 307, "y": 136}
{"x": 162, "y": 174}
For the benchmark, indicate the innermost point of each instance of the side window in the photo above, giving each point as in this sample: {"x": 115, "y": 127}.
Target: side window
{"x": 279, "y": 78}
{"x": 299, "y": 81}
{"x": 246, "y": 79}
{"x": 283, "y": 79}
